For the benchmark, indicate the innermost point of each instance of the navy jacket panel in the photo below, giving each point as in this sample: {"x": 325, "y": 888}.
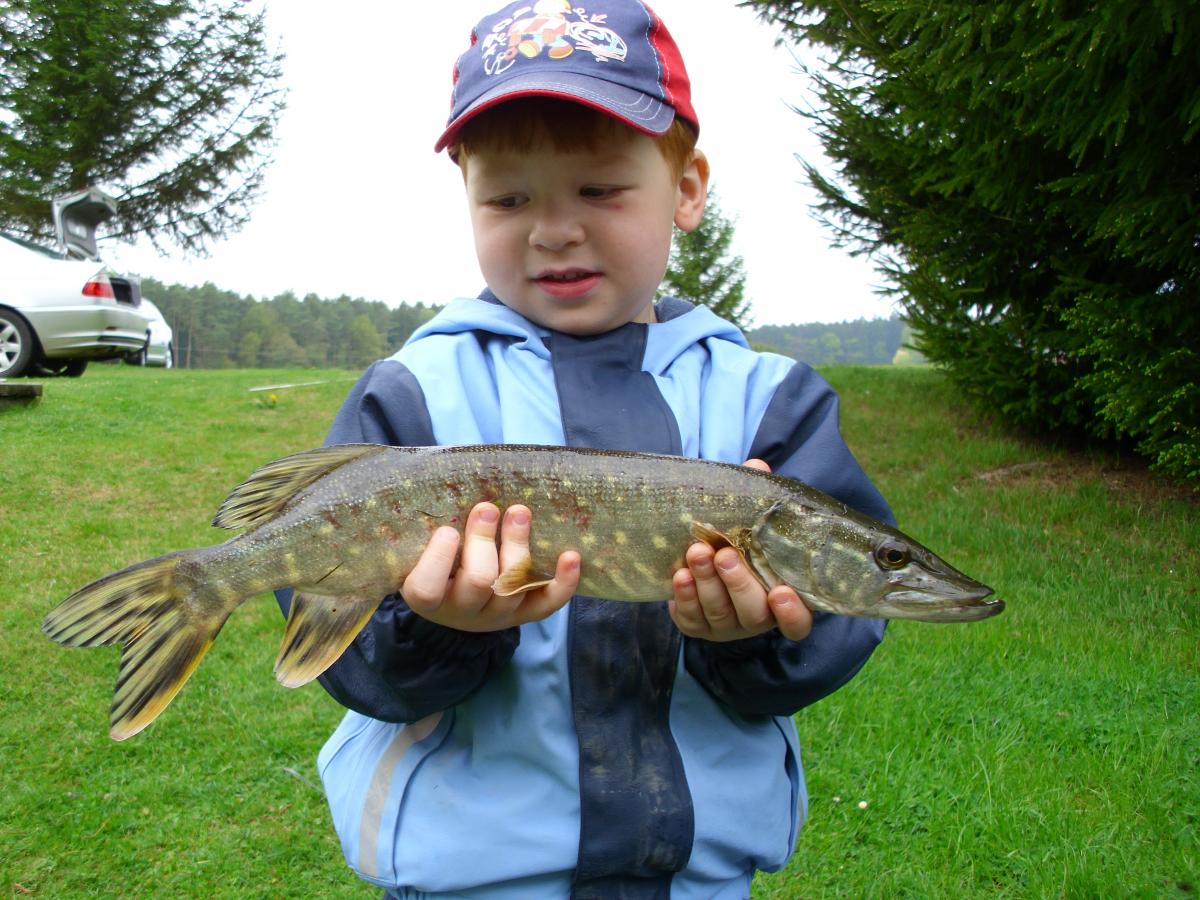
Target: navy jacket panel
{"x": 636, "y": 813}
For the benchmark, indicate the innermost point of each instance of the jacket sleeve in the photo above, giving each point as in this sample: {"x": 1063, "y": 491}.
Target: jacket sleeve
{"x": 402, "y": 667}
{"x": 770, "y": 674}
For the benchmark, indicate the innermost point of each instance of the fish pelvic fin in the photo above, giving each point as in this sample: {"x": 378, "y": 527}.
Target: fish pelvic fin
{"x": 162, "y": 636}
{"x": 520, "y": 576}
{"x": 264, "y": 494}
{"x": 318, "y": 629}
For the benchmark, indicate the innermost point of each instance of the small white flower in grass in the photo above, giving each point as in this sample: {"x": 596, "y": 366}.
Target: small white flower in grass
{"x": 837, "y": 799}
{"x": 862, "y": 804}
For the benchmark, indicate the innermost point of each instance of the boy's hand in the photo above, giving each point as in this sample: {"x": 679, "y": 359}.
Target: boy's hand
{"x": 465, "y": 600}
{"x": 717, "y": 598}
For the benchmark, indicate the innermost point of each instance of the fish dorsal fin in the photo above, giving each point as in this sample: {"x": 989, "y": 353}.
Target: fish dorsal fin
{"x": 265, "y": 493}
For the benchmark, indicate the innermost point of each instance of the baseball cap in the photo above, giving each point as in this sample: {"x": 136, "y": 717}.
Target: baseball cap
{"x": 615, "y": 56}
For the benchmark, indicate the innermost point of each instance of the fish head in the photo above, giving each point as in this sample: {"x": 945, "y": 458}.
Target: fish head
{"x": 847, "y": 563}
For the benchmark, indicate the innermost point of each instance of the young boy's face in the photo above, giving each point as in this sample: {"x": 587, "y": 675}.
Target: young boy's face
{"x": 578, "y": 242}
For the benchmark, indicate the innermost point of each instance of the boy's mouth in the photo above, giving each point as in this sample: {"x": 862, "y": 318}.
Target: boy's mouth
{"x": 567, "y": 283}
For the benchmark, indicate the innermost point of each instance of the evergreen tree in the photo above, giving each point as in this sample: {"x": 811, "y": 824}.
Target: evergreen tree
{"x": 702, "y": 270}
{"x": 166, "y": 104}
{"x": 1028, "y": 175}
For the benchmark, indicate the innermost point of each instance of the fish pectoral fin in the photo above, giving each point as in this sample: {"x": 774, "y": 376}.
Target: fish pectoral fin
{"x": 318, "y": 629}
{"x": 741, "y": 540}
{"x": 521, "y": 576}
{"x": 702, "y": 531}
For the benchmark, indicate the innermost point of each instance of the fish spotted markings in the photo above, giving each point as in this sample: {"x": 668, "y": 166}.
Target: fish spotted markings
{"x": 167, "y": 611}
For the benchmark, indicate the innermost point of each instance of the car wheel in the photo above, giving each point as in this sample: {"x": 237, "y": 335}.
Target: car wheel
{"x": 169, "y": 359}
{"x": 52, "y": 368}
{"x": 16, "y": 345}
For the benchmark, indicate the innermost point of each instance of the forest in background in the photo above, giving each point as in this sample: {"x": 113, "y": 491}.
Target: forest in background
{"x": 860, "y": 342}
{"x": 217, "y": 329}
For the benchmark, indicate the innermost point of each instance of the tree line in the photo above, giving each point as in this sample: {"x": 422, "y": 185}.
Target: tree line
{"x": 216, "y": 329}
{"x": 861, "y": 342}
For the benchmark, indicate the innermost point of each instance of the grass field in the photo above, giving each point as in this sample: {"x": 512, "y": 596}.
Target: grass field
{"x": 1052, "y": 751}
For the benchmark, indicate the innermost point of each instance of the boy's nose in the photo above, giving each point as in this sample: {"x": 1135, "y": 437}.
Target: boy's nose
{"x": 555, "y": 230}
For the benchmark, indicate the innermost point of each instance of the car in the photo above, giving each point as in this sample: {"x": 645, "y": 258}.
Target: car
{"x": 159, "y": 349}
{"x": 61, "y": 308}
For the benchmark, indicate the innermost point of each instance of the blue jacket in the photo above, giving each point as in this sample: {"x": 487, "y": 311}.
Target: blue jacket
{"x": 597, "y": 753}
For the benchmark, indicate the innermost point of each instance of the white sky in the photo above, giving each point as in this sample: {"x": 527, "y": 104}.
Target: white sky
{"x": 357, "y": 203}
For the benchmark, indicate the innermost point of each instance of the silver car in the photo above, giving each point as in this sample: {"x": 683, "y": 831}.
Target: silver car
{"x": 160, "y": 340}
{"x": 61, "y": 308}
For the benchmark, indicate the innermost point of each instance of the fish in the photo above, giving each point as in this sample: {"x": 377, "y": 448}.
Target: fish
{"x": 344, "y": 525}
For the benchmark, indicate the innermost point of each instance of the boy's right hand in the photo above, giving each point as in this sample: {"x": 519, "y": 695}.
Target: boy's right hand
{"x": 464, "y": 600}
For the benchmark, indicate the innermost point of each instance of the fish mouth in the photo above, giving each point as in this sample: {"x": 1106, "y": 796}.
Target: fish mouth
{"x": 965, "y": 605}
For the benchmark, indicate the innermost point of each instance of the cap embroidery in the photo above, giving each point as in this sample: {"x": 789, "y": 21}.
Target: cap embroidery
{"x": 552, "y": 26}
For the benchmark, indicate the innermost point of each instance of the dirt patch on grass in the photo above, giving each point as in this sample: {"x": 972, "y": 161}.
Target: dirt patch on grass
{"x": 1130, "y": 477}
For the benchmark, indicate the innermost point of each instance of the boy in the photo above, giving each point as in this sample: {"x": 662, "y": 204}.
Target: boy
{"x": 527, "y": 747}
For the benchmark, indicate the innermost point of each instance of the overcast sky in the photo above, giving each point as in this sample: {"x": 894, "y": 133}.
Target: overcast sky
{"x": 357, "y": 203}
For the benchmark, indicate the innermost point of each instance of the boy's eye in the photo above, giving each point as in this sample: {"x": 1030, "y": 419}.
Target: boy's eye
{"x": 598, "y": 192}
{"x": 508, "y": 201}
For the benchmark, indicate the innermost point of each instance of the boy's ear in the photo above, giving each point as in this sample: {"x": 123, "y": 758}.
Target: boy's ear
{"x": 693, "y": 191}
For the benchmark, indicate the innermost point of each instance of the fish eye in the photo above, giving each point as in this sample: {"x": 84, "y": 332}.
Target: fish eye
{"x": 892, "y": 554}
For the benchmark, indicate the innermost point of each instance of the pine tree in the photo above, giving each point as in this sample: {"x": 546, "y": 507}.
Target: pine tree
{"x": 1027, "y": 175}
{"x": 702, "y": 269}
{"x": 166, "y": 104}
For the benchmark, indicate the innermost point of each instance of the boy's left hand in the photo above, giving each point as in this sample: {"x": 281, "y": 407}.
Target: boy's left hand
{"x": 717, "y": 598}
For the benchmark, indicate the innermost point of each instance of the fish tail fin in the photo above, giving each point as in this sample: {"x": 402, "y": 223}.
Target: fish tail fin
{"x": 162, "y": 636}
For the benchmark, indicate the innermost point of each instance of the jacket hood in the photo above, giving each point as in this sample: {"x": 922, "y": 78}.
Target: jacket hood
{"x": 680, "y": 325}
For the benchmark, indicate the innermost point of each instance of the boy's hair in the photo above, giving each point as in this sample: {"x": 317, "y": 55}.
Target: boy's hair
{"x": 521, "y": 124}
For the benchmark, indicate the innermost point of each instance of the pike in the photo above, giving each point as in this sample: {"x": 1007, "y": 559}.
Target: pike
{"x": 344, "y": 525}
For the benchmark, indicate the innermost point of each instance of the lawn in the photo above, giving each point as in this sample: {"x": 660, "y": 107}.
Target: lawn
{"x": 1051, "y": 751}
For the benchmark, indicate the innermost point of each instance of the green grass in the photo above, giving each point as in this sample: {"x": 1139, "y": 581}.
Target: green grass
{"x": 1052, "y": 751}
